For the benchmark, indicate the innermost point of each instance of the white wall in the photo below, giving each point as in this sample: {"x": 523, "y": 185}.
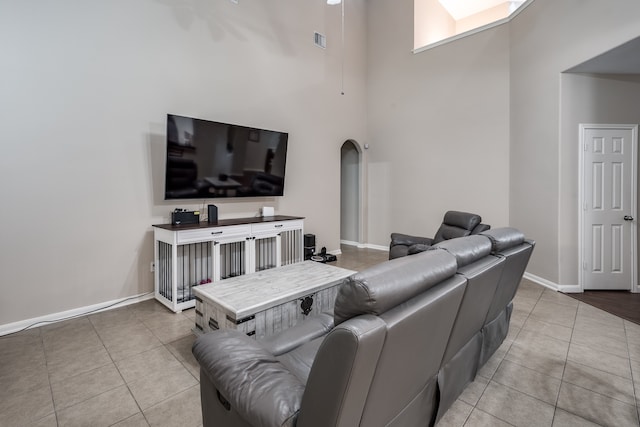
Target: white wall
{"x": 547, "y": 38}
{"x": 85, "y": 88}
{"x": 438, "y": 126}
{"x": 604, "y": 99}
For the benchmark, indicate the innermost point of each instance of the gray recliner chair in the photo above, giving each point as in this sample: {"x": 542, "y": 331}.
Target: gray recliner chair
{"x": 454, "y": 224}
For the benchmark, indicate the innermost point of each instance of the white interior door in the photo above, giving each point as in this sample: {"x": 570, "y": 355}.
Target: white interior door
{"x": 608, "y": 198}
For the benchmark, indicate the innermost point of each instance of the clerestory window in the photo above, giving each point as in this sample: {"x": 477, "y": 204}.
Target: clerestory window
{"x": 438, "y": 21}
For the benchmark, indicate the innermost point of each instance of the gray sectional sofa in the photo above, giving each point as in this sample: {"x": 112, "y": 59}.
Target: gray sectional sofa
{"x": 405, "y": 338}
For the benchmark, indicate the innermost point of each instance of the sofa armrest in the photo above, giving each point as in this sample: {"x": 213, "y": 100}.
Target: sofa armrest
{"x": 289, "y": 339}
{"x": 407, "y": 240}
{"x": 262, "y": 390}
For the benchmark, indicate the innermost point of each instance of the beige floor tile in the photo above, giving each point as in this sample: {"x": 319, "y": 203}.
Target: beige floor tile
{"x": 523, "y": 303}
{"x": 632, "y": 332}
{"x": 518, "y": 317}
{"x": 15, "y": 346}
{"x": 591, "y": 326}
{"x": 596, "y": 407}
{"x": 48, "y": 421}
{"x": 23, "y": 379}
{"x": 599, "y": 360}
{"x": 558, "y": 332}
{"x": 456, "y": 416}
{"x": 170, "y": 331}
{"x": 154, "y": 319}
{"x": 181, "y": 349}
{"x": 479, "y": 418}
{"x": 634, "y": 351}
{"x": 474, "y": 390}
{"x": 118, "y": 317}
{"x": 72, "y": 390}
{"x": 103, "y": 410}
{"x": 67, "y": 327}
{"x": 558, "y": 314}
{"x": 565, "y": 419}
{"x": 515, "y": 407}
{"x": 594, "y": 340}
{"x": 600, "y": 382}
{"x": 75, "y": 363}
{"x": 138, "y": 420}
{"x": 494, "y": 361}
{"x": 190, "y": 314}
{"x": 147, "y": 363}
{"x": 539, "y": 352}
{"x": 183, "y": 409}
{"x": 60, "y": 345}
{"x": 558, "y": 298}
{"x": 535, "y": 384}
{"x": 159, "y": 386}
{"x": 597, "y": 315}
{"x": 23, "y": 409}
{"x": 530, "y": 290}
{"x": 125, "y": 342}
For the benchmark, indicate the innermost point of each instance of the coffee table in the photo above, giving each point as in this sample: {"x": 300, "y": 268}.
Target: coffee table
{"x": 269, "y": 301}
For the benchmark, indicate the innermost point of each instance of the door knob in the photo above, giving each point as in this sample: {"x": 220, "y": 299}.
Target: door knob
{"x": 628, "y": 218}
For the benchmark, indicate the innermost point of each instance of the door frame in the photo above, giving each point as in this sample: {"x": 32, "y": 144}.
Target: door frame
{"x": 583, "y": 127}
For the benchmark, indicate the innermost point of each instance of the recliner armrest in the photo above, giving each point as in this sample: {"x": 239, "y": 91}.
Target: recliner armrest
{"x": 250, "y": 378}
{"x": 480, "y": 228}
{"x": 408, "y": 240}
{"x": 285, "y": 341}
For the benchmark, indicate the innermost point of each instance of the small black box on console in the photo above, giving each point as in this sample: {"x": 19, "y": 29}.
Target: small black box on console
{"x": 181, "y": 217}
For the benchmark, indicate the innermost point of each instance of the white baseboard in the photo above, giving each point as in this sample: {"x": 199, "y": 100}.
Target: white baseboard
{"x": 351, "y": 243}
{"x": 540, "y": 281}
{"x": 76, "y": 312}
{"x": 570, "y": 289}
{"x": 377, "y": 247}
{"x": 567, "y": 289}
{"x": 364, "y": 245}
{"x": 335, "y": 252}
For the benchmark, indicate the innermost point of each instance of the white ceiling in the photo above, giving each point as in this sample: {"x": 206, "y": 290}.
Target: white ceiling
{"x": 460, "y": 9}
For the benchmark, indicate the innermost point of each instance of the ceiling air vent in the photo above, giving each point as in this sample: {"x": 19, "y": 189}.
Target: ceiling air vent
{"x": 320, "y": 40}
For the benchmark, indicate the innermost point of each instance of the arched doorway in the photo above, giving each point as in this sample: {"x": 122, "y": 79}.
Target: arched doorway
{"x": 350, "y": 193}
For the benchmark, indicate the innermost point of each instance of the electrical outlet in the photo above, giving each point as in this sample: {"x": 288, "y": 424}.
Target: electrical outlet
{"x": 153, "y": 266}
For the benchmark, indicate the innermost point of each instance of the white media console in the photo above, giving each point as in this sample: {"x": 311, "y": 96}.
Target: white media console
{"x": 195, "y": 254}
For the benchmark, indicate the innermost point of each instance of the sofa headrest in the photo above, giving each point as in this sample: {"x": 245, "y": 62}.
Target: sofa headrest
{"x": 465, "y": 220}
{"x": 466, "y": 249}
{"x": 456, "y": 224}
{"x": 384, "y": 286}
{"x": 504, "y": 238}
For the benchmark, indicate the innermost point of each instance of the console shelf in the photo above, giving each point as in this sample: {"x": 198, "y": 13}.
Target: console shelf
{"x": 189, "y": 255}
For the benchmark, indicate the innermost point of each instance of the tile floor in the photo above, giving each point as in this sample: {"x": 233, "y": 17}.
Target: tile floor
{"x": 564, "y": 363}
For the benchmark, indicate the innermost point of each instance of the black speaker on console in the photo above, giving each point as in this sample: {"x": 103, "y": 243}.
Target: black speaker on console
{"x": 212, "y": 213}
{"x": 309, "y": 245}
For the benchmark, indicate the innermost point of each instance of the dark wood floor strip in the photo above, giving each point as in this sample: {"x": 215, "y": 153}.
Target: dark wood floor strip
{"x": 620, "y": 303}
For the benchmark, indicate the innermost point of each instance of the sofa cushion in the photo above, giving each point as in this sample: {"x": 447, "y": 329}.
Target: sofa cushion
{"x": 382, "y": 287}
{"x": 503, "y": 238}
{"x": 466, "y": 249}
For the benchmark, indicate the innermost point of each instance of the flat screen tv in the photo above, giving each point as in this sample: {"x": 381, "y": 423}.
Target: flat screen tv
{"x": 207, "y": 159}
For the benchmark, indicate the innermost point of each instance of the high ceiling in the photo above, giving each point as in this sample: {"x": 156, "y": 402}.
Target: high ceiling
{"x": 624, "y": 59}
